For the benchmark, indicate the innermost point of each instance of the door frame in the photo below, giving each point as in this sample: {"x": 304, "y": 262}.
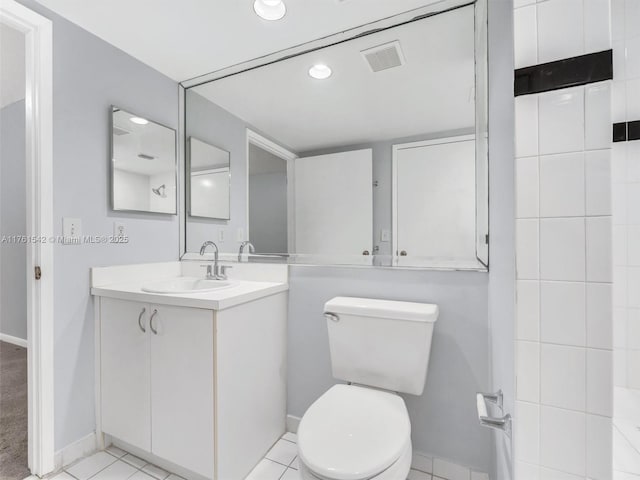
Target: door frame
{"x": 38, "y": 32}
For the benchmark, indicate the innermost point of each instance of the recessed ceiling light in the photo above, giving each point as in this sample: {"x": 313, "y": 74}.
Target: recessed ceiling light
{"x": 139, "y": 120}
{"x": 270, "y": 9}
{"x": 320, "y": 71}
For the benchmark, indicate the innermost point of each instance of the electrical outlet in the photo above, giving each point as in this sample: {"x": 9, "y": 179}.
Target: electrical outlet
{"x": 71, "y": 230}
{"x": 119, "y": 230}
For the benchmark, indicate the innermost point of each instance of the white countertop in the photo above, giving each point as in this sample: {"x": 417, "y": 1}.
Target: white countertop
{"x": 241, "y": 291}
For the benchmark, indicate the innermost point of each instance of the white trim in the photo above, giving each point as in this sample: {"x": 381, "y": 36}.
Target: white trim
{"x": 78, "y": 449}
{"x": 293, "y": 423}
{"x": 254, "y": 138}
{"x": 38, "y": 32}
{"x": 20, "y": 342}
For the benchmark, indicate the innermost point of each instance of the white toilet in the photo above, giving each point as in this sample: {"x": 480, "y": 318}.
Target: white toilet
{"x": 361, "y": 431}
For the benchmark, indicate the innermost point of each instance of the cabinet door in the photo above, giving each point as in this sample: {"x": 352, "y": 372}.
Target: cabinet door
{"x": 182, "y": 386}
{"x": 125, "y": 376}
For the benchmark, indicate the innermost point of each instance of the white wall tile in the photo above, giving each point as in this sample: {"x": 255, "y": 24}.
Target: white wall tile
{"x": 619, "y": 204}
{"x": 562, "y": 249}
{"x": 551, "y": 474}
{"x": 525, "y": 40}
{"x": 526, "y": 125}
{"x": 633, "y": 372}
{"x": 619, "y": 163}
{"x": 448, "y": 470}
{"x": 522, "y": 3}
{"x": 563, "y": 440}
{"x": 619, "y": 241}
{"x": 562, "y": 184}
{"x": 632, "y": 67}
{"x": 598, "y": 182}
{"x": 527, "y": 430}
{"x": 633, "y": 99}
{"x": 600, "y": 382}
{"x": 619, "y": 100}
{"x": 563, "y": 376}
{"x": 599, "y": 315}
{"x": 632, "y": 17}
{"x": 561, "y": 121}
{"x": 633, "y": 245}
{"x": 528, "y": 310}
{"x": 633, "y": 200}
{"x": 527, "y": 246}
{"x": 617, "y": 19}
{"x": 560, "y": 29}
{"x": 620, "y": 274}
{"x": 597, "y": 22}
{"x": 633, "y": 287}
{"x": 527, "y": 187}
{"x": 528, "y": 371}
{"x": 563, "y": 313}
{"x": 599, "y": 254}
{"x": 633, "y": 162}
{"x": 620, "y": 316}
{"x": 526, "y": 471}
{"x": 598, "y": 115}
{"x": 599, "y": 448}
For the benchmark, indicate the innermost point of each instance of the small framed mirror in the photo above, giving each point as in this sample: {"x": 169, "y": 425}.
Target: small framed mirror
{"x": 209, "y": 180}
{"x": 144, "y": 164}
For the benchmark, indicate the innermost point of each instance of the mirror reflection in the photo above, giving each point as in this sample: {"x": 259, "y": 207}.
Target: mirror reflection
{"x": 209, "y": 176}
{"x": 144, "y": 166}
{"x": 363, "y": 152}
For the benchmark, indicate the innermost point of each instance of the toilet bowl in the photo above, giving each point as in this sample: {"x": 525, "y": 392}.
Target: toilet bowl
{"x": 355, "y": 433}
{"x": 362, "y": 431}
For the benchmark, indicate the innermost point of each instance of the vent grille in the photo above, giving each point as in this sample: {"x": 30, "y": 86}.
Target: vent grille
{"x": 385, "y": 56}
{"x": 118, "y": 131}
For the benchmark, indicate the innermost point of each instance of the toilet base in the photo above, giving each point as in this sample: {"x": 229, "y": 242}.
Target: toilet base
{"x": 398, "y": 471}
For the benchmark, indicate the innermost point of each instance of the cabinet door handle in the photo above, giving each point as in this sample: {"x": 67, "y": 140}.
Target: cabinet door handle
{"x": 144, "y": 330}
{"x": 155, "y": 332}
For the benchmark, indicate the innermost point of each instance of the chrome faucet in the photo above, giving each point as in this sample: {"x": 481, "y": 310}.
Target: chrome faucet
{"x": 218, "y": 273}
{"x": 244, "y": 244}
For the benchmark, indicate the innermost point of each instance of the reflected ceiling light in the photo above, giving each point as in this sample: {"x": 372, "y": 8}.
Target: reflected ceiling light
{"x": 320, "y": 71}
{"x": 139, "y": 120}
{"x": 270, "y": 9}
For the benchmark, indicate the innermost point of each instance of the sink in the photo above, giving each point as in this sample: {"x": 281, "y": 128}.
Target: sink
{"x": 186, "y": 285}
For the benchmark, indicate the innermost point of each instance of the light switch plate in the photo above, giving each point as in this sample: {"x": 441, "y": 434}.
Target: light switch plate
{"x": 71, "y": 230}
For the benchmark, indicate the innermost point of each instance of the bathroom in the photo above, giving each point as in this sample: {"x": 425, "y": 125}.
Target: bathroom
{"x": 242, "y": 152}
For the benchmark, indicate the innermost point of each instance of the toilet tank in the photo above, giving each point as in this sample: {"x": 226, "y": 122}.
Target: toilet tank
{"x": 380, "y": 343}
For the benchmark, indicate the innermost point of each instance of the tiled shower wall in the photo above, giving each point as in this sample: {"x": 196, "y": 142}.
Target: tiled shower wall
{"x": 626, "y": 241}
{"x": 564, "y": 253}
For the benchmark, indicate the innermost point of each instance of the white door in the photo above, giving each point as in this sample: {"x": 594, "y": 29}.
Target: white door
{"x": 125, "y": 387}
{"x": 182, "y": 387}
{"x": 435, "y": 202}
{"x": 334, "y": 203}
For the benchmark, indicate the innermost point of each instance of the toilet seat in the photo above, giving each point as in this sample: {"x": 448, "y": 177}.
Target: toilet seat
{"x": 354, "y": 433}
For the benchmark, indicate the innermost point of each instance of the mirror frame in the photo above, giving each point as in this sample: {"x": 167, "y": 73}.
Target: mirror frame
{"x": 176, "y": 167}
{"x": 482, "y": 135}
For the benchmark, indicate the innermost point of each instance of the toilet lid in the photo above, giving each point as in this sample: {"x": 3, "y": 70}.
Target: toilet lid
{"x": 353, "y": 433}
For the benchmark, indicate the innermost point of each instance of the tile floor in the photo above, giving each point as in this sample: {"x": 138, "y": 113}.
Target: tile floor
{"x": 280, "y": 463}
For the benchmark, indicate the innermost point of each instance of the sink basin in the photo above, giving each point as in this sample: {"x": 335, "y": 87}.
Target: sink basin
{"x": 185, "y": 285}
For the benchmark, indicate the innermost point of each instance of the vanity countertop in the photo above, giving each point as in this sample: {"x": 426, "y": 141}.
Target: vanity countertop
{"x": 241, "y": 291}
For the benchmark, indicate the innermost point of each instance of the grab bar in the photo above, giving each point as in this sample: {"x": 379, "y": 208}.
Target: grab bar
{"x": 498, "y": 423}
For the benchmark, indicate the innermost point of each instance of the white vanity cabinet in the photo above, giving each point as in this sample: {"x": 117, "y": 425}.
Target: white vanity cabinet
{"x": 197, "y": 388}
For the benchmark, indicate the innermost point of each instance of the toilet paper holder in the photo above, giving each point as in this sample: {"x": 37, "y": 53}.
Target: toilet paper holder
{"x": 498, "y": 423}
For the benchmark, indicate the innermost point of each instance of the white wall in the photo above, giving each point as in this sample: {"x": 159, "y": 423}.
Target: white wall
{"x": 13, "y": 221}
{"x": 131, "y": 191}
{"x": 564, "y": 267}
{"x": 626, "y": 238}
{"x": 89, "y": 76}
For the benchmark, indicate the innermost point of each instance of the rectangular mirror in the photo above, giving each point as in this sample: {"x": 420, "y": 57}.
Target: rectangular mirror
{"x": 368, "y": 151}
{"x": 143, "y": 164}
{"x": 209, "y": 180}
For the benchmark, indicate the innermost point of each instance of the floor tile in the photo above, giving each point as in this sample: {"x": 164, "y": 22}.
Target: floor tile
{"x": 133, "y": 460}
{"x": 59, "y": 476}
{"x": 283, "y": 452}
{"x": 115, "y": 451}
{"x": 156, "y": 472}
{"x": 174, "y": 477}
{"x": 116, "y": 471}
{"x": 417, "y": 475}
{"x": 267, "y": 470}
{"x": 294, "y": 464}
{"x": 291, "y": 474}
{"x": 140, "y": 475}
{"x": 291, "y": 437}
{"x": 89, "y": 466}
{"x": 422, "y": 463}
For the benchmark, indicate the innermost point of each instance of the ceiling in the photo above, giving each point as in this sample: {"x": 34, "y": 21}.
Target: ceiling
{"x": 12, "y": 70}
{"x": 187, "y": 38}
{"x": 432, "y": 92}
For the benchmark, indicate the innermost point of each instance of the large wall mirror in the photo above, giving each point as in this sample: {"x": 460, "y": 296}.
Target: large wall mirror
{"x": 368, "y": 151}
{"x": 143, "y": 164}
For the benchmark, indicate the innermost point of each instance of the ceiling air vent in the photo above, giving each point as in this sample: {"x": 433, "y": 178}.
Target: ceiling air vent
{"x": 383, "y": 57}
{"x": 119, "y": 131}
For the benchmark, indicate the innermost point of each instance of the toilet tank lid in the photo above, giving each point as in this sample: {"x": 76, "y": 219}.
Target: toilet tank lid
{"x": 370, "y": 307}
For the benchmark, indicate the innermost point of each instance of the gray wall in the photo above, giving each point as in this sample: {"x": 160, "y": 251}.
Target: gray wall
{"x": 444, "y": 421}
{"x": 268, "y": 212}
{"x": 13, "y": 221}
{"x": 88, "y": 76}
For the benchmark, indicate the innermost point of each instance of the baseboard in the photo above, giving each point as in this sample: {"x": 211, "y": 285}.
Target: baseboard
{"x": 20, "y": 342}
{"x": 78, "y": 449}
{"x": 292, "y": 423}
